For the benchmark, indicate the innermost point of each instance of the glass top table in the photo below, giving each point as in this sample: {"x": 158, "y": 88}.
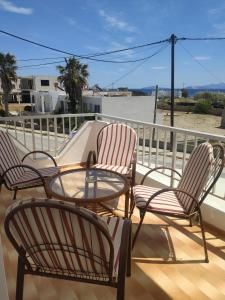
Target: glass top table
{"x": 89, "y": 187}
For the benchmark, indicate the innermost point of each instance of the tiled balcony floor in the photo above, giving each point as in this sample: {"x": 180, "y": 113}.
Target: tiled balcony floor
{"x": 167, "y": 263}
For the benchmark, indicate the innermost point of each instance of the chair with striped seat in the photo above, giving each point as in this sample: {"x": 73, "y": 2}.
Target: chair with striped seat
{"x": 203, "y": 169}
{"x": 116, "y": 144}
{"x": 57, "y": 239}
{"x": 14, "y": 173}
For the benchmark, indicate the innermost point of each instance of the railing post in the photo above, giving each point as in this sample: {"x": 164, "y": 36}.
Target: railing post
{"x": 55, "y": 135}
{"x": 33, "y": 134}
{"x": 174, "y": 154}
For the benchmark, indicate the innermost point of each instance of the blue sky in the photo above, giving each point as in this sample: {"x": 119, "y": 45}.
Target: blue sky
{"x": 89, "y": 26}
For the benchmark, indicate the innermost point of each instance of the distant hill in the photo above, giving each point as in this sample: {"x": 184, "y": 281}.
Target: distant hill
{"x": 213, "y": 86}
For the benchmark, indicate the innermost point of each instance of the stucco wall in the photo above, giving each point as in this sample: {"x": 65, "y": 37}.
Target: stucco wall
{"x": 139, "y": 108}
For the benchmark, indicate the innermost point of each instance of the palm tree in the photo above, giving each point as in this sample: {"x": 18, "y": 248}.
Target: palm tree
{"x": 74, "y": 77}
{"x": 7, "y": 76}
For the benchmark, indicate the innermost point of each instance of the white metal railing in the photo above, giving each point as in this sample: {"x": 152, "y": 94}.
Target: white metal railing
{"x": 50, "y": 132}
{"x": 154, "y": 147}
{"x": 43, "y": 132}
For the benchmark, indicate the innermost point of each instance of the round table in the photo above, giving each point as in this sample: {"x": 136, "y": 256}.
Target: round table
{"x": 89, "y": 187}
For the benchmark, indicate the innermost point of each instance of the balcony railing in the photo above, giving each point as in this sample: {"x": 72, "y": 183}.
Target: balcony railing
{"x": 154, "y": 147}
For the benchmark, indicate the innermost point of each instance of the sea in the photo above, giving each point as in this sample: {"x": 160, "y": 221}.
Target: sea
{"x": 191, "y": 92}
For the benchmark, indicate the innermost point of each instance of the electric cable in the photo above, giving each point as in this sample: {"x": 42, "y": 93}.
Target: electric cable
{"x": 91, "y": 57}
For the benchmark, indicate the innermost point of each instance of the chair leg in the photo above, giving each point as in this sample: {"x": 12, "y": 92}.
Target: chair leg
{"x": 142, "y": 215}
{"x": 203, "y": 237}
{"x": 20, "y": 279}
{"x": 190, "y": 222}
{"x": 129, "y": 255}
{"x": 15, "y": 193}
{"x": 120, "y": 290}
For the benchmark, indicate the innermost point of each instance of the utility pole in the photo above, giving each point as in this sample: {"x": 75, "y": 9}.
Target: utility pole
{"x": 155, "y": 110}
{"x": 173, "y": 42}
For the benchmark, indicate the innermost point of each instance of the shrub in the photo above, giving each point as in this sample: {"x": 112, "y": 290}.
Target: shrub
{"x": 203, "y": 106}
{"x": 2, "y": 113}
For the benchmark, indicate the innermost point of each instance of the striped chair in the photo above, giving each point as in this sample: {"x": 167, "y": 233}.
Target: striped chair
{"x": 56, "y": 239}
{"x": 14, "y": 173}
{"x": 201, "y": 173}
{"x": 116, "y": 150}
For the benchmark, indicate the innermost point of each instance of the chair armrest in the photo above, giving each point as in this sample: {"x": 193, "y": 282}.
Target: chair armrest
{"x": 158, "y": 168}
{"x": 24, "y": 167}
{"x": 172, "y": 190}
{"x": 43, "y": 152}
{"x": 89, "y": 158}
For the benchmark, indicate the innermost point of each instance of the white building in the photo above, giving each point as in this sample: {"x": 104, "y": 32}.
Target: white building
{"x": 28, "y": 84}
{"x": 133, "y": 107}
{"x": 51, "y": 101}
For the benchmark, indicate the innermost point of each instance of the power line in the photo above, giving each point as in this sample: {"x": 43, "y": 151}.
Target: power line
{"x": 56, "y": 62}
{"x": 91, "y": 57}
{"x": 43, "y": 58}
{"x": 136, "y": 67}
{"x": 201, "y": 39}
{"x": 206, "y": 69}
{"x": 38, "y": 65}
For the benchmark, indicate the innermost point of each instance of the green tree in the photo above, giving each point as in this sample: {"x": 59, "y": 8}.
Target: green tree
{"x": 74, "y": 77}
{"x": 7, "y": 76}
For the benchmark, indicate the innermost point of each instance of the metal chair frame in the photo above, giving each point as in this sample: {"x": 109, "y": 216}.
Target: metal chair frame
{"x": 215, "y": 174}
{"x": 24, "y": 266}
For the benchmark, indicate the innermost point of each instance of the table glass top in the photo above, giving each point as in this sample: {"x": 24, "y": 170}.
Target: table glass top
{"x": 87, "y": 184}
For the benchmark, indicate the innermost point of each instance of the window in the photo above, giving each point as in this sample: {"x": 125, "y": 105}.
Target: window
{"x": 44, "y": 82}
{"x": 97, "y": 108}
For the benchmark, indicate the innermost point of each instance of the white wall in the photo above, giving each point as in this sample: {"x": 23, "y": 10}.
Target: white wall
{"x": 139, "y": 108}
{"x": 39, "y": 87}
{"x": 93, "y": 100}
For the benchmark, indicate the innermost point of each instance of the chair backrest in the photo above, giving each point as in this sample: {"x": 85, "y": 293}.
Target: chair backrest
{"x": 203, "y": 168}
{"x": 9, "y": 158}
{"x": 61, "y": 239}
{"x": 116, "y": 145}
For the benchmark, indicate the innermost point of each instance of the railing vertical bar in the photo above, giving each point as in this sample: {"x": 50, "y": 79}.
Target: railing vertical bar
{"x": 174, "y": 154}
{"x": 42, "y": 147}
{"x": 75, "y": 123}
{"x": 164, "y": 150}
{"x": 55, "y": 135}
{"x": 15, "y": 128}
{"x": 196, "y": 142}
{"x": 157, "y": 148}
{"x": 63, "y": 125}
{"x": 143, "y": 146}
{"x": 24, "y": 134}
{"x": 33, "y": 135}
{"x": 184, "y": 153}
{"x": 47, "y": 123}
{"x": 138, "y": 147}
{"x": 69, "y": 125}
{"x": 150, "y": 147}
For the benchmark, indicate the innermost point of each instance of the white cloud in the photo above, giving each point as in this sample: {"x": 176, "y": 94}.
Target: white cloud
{"x": 202, "y": 57}
{"x": 159, "y": 67}
{"x": 215, "y": 11}
{"x": 115, "y": 22}
{"x": 9, "y": 6}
